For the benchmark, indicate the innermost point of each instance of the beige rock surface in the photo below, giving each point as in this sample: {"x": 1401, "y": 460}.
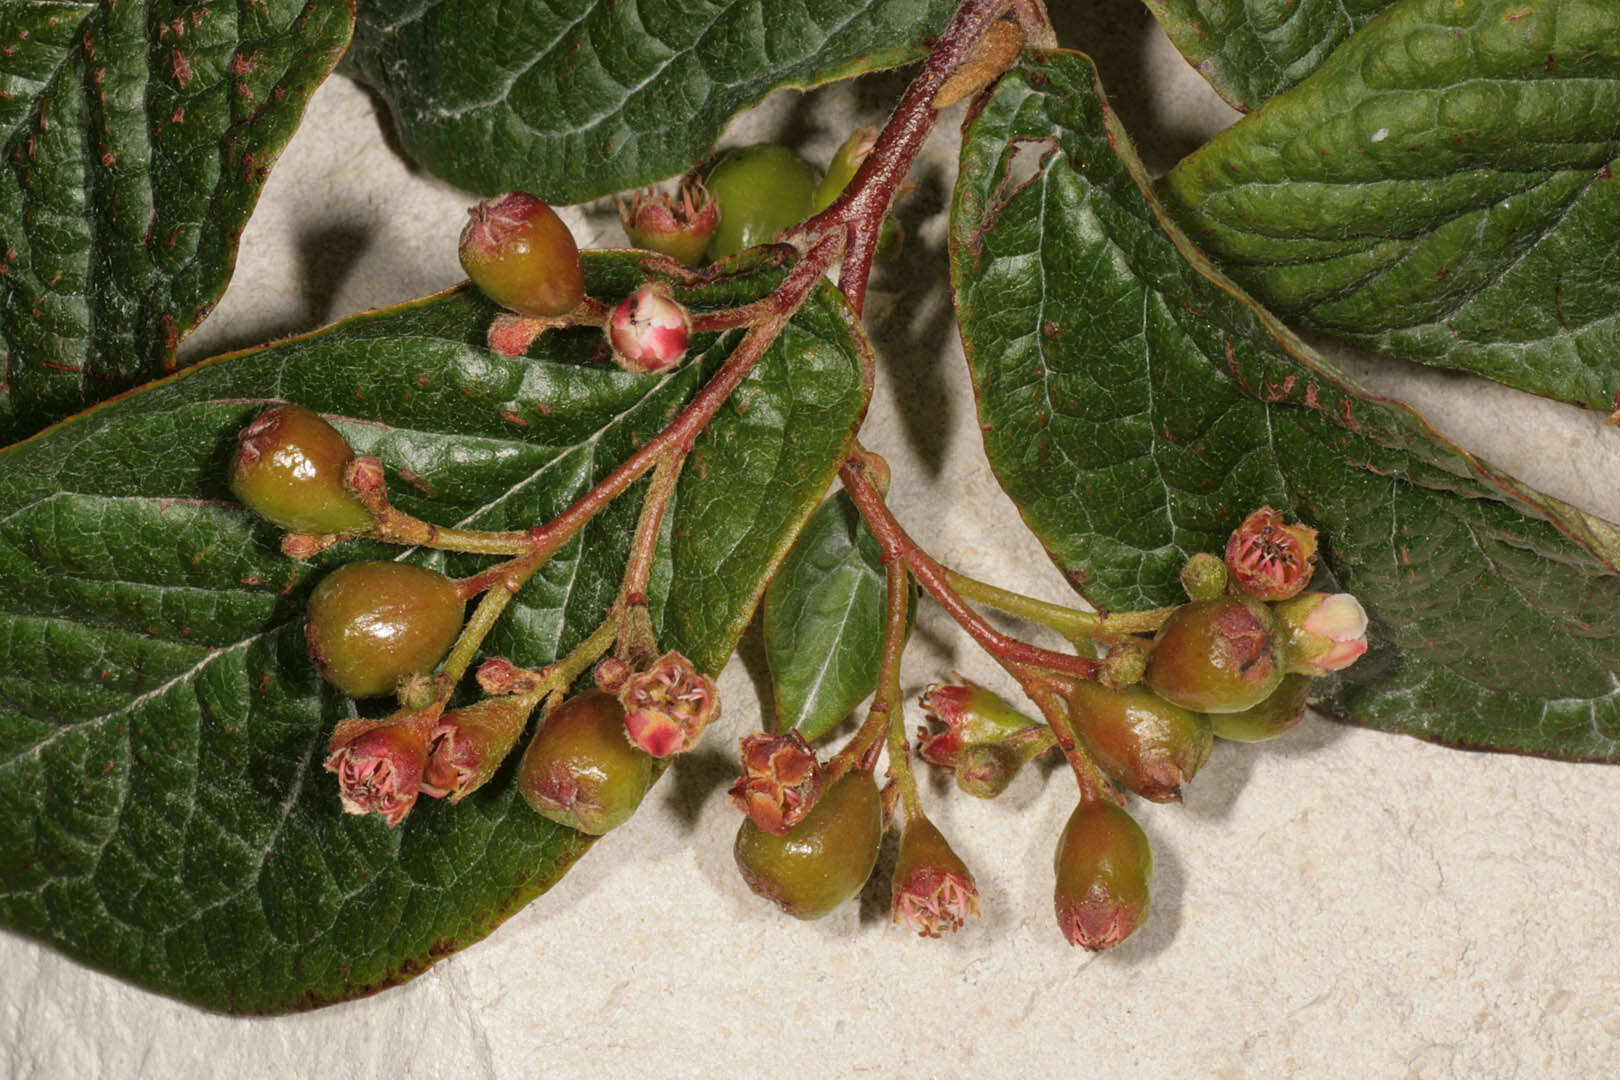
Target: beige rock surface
{"x": 1338, "y": 903}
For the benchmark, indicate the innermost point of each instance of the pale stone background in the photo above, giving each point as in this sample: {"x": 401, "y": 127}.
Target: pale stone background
{"x": 1338, "y": 903}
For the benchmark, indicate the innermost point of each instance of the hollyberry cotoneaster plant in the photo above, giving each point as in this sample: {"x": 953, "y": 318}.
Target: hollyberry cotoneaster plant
{"x": 493, "y": 546}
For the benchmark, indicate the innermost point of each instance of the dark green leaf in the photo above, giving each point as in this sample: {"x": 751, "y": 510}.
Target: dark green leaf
{"x": 136, "y": 139}
{"x": 163, "y": 810}
{"x": 1251, "y": 50}
{"x": 1442, "y": 190}
{"x": 579, "y": 98}
{"x": 824, "y": 621}
{"x": 1136, "y": 405}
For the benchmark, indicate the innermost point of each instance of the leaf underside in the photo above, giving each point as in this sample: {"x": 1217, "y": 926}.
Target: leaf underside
{"x": 136, "y": 138}
{"x": 824, "y": 617}
{"x": 580, "y": 98}
{"x": 1442, "y": 190}
{"x": 1136, "y": 406}
{"x": 163, "y": 810}
{"x": 1254, "y": 49}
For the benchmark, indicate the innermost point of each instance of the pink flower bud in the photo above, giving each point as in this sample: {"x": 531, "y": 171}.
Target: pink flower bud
{"x": 648, "y": 331}
{"x": 1327, "y": 632}
{"x": 1270, "y": 559}
{"x": 379, "y": 765}
{"x": 781, "y": 780}
{"x": 667, "y": 706}
{"x": 933, "y": 891}
{"x": 678, "y": 227}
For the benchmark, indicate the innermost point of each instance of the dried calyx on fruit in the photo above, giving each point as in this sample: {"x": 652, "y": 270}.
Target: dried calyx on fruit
{"x": 823, "y": 860}
{"x": 379, "y": 763}
{"x": 1270, "y": 559}
{"x": 1220, "y": 655}
{"x": 780, "y": 783}
{"x": 761, "y": 190}
{"x": 667, "y": 706}
{"x": 679, "y": 227}
{"x": 579, "y": 771}
{"x": 933, "y": 892}
{"x": 469, "y": 744}
{"x": 1104, "y": 872}
{"x": 288, "y": 469}
{"x": 520, "y": 254}
{"x": 371, "y": 624}
{"x": 1141, "y": 741}
{"x": 648, "y": 331}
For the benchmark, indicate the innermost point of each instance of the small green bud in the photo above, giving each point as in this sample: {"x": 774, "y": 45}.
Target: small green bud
{"x": 1203, "y": 577}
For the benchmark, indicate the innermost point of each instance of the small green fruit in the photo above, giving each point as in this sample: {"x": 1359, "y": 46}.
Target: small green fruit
{"x": 1104, "y": 873}
{"x": 1280, "y": 712}
{"x": 370, "y": 624}
{"x": 520, "y": 254}
{"x": 288, "y": 469}
{"x": 824, "y": 859}
{"x": 1217, "y": 656}
{"x": 1140, "y": 740}
{"x": 580, "y": 770}
{"x": 760, "y": 190}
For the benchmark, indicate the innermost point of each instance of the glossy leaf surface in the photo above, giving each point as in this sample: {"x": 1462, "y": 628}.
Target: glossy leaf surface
{"x": 1442, "y": 190}
{"x": 136, "y": 138}
{"x": 1136, "y": 406}
{"x": 163, "y": 810}
{"x": 581, "y": 98}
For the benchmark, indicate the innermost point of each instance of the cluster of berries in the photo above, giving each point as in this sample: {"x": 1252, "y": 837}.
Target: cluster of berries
{"x": 1236, "y": 661}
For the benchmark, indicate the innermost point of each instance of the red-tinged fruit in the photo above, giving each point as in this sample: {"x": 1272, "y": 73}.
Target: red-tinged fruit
{"x": 1279, "y": 713}
{"x": 288, "y": 469}
{"x": 371, "y": 624}
{"x": 679, "y": 227}
{"x": 379, "y": 765}
{"x": 648, "y": 331}
{"x": 933, "y": 891}
{"x": 969, "y": 715}
{"x": 1221, "y": 655}
{"x": 1325, "y": 631}
{"x": 822, "y": 861}
{"x": 780, "y": 783}
{"x": 1269, "y": 559}
{"x": 1104, "y": 874}
{"x": 519, "y": 253}
{"x": 667, "y": 706}
{"x": 579, "y": 771}
{"x": 1141, "y": 741}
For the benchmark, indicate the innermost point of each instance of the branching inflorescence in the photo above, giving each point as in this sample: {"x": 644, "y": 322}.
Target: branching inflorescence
{"x": 1133, "y": 707}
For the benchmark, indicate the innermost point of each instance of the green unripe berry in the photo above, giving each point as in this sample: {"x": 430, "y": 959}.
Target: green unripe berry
{"x": 370, "y": 624}
{"x": 520, "y": 254}
{"x": 580, "y": 770}
{"x": 760, "y": 190}
{"x": 824, "y": 859}
{"x": 1104, "y": 873}
{"x": 1280, "y": 712}
{"x": 1140, "y": 740}
{"x": 1217, "y": 656}
{"x": 288, "y": 469}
